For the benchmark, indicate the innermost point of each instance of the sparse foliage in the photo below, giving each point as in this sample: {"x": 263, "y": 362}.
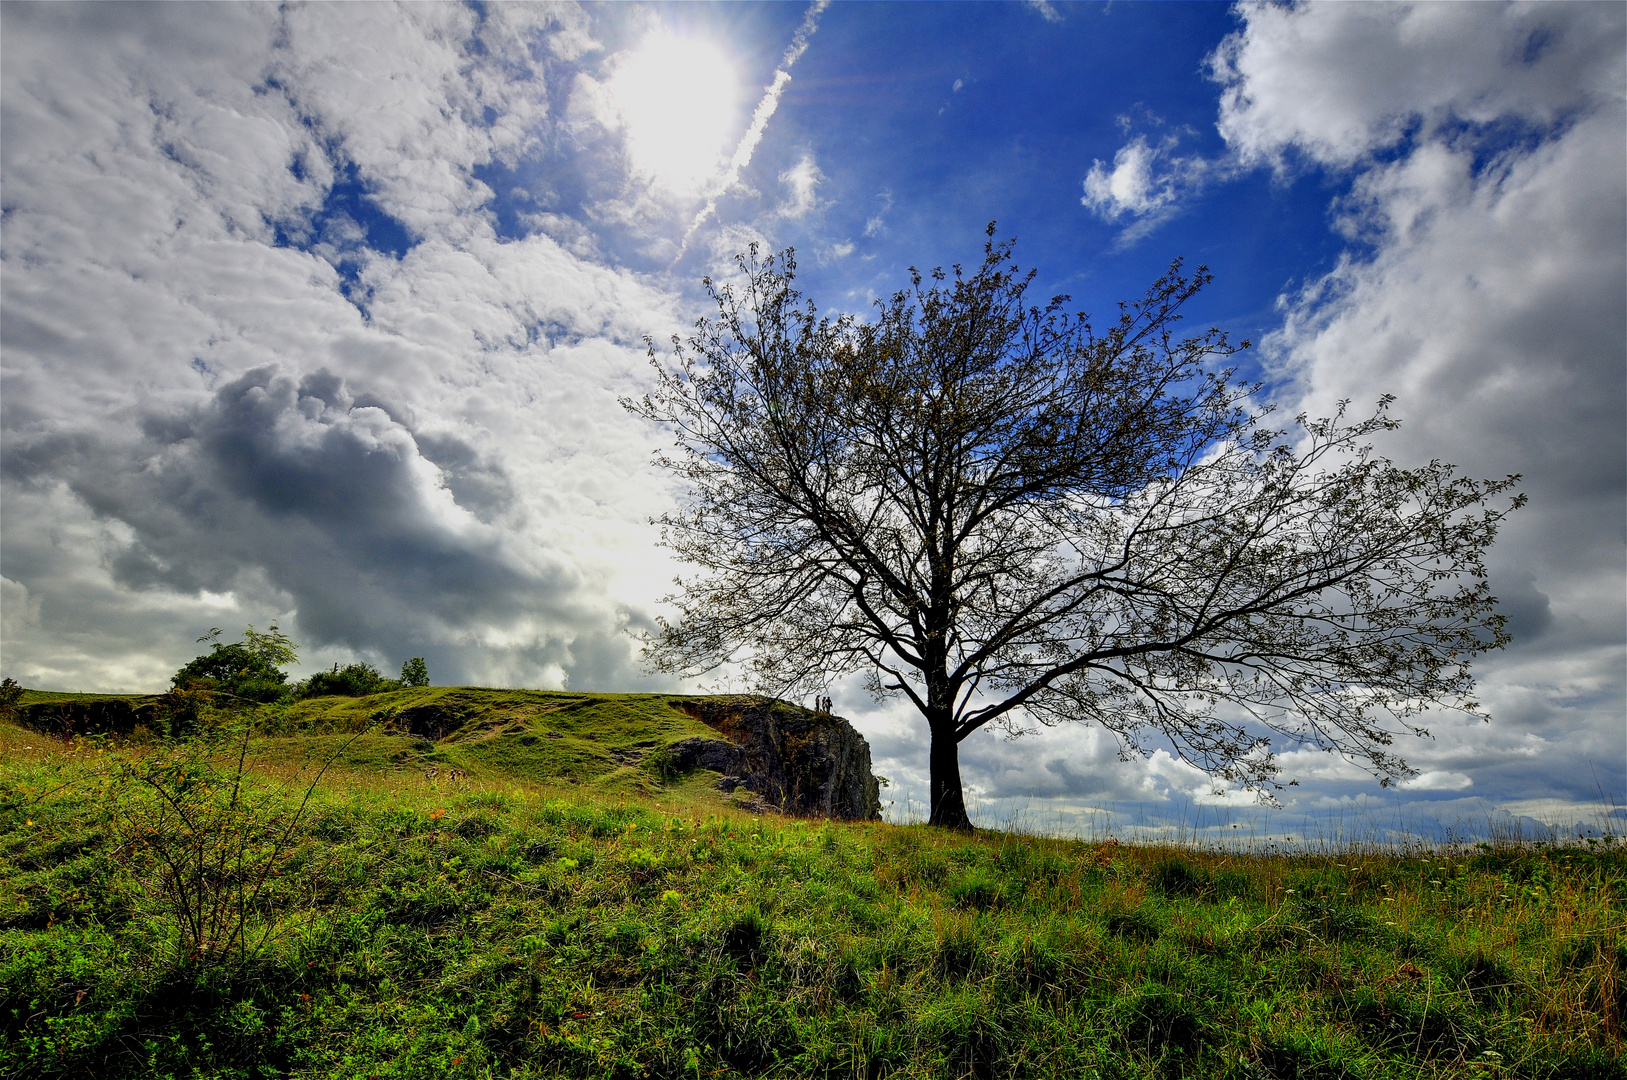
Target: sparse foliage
{"x": 1008, "y": 517}
{"x": 206, "y": 840}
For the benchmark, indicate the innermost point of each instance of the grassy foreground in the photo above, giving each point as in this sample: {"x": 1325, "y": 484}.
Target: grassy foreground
{"x": 626, "y": 925}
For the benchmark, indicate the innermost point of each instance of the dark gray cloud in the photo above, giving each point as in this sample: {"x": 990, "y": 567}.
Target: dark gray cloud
{"x": 225, "y": 401}
{"x": 335, "y": 506}
{"x": 1526, "y": 607}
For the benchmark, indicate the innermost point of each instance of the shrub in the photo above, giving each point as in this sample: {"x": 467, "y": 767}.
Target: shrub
{"x": 352, "y": 680}
{"x": 250, "y": 670}
{"x": 11, "y": 694}
{"x": 207, "y": 841}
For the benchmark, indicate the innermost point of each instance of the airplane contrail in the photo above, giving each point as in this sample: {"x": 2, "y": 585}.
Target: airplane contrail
{"x": 759, "y": 119}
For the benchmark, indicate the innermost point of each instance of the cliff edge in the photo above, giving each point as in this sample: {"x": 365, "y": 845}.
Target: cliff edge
{"x": 795, "y": 760}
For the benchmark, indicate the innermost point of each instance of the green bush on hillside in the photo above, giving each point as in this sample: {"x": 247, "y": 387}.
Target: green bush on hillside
{"x": 250, "y": 669}
{"x": 352, "y": 680}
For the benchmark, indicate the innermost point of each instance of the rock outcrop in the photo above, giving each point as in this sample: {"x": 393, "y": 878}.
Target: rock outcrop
{"x": 72, "y": 717}
{"x": 796, "y": 761}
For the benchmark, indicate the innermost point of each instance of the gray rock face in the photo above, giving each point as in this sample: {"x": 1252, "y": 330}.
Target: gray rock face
{"x": 799, "y": 762}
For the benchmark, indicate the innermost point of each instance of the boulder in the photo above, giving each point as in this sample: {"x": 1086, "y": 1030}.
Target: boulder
{"x": 794, "y": 760}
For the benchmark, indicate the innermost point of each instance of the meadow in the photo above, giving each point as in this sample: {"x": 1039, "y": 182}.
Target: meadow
{"x": 220, "y": 906}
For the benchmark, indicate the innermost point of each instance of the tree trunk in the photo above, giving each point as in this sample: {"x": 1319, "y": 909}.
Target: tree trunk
{"x": 948, "y": 805}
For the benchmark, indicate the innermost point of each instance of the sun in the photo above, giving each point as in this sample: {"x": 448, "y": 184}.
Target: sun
{"x": 679, "y": 102}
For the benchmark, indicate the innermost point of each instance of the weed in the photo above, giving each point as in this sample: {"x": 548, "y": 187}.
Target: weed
{"x": 207, "y": 841}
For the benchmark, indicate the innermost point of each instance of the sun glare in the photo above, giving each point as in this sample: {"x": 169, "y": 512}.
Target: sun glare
{"x": 678, "y": 98}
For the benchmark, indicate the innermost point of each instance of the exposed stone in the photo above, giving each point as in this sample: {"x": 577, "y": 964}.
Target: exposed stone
{"x": 797, "y": 761}
{"x": 93, "y": 716}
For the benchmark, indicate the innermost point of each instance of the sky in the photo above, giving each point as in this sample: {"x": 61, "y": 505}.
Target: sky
{"x": 320, "y": 314}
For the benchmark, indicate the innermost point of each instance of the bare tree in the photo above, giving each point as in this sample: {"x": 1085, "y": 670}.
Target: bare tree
{"x": 1009, "y": 517}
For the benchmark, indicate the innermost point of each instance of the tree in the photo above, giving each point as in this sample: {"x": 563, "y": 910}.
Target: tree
{"x": 1008, "y": 517}
{"x": 249, "y": 669}
{"x": 415, "y": 672}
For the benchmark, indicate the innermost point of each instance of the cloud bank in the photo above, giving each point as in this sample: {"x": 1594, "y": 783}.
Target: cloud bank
{"x": 265, "y": 356}
{"x": 1479, "y": 148}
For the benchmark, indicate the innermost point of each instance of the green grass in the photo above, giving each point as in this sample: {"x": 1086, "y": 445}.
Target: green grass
{"x": 515, "y": 925}
{"x": 600, "y": 739}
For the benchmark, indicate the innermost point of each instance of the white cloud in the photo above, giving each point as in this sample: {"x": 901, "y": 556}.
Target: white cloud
{"x": 1488, "y": 296}
{"x": 464, "y": 485}
{"x": 1437, "y": 780}
{"x": 1145, "y": 183}
{"x": 1130, "y": 186}
{"x": 1045, "y": 10}
{"x": 1341, "y": 81}
{"x": 876, "y": 224}
{"x": 802, "y": 182}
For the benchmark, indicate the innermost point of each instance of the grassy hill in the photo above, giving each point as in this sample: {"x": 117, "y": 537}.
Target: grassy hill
{"x": 567, "y": 909}
{"x": 537, "y": 737}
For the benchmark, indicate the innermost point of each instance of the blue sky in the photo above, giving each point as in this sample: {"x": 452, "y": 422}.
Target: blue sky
{"x": 321, "y": 313}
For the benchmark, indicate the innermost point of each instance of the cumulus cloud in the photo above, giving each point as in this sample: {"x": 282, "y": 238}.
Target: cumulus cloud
{"x": 336, "y": 506}
{"x": 227, "y": 400}
{"x": 1145, "y": 184}
{"x": 1340, "y": 82}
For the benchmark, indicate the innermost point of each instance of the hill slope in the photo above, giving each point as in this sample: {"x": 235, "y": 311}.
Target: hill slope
{"x": 778, "y": 755}
{"x": 397, "y": 926}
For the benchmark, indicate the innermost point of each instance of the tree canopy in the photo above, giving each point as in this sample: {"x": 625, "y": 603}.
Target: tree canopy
{"x": 1009, "y": 516}
{"x": 250, "y": 669}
